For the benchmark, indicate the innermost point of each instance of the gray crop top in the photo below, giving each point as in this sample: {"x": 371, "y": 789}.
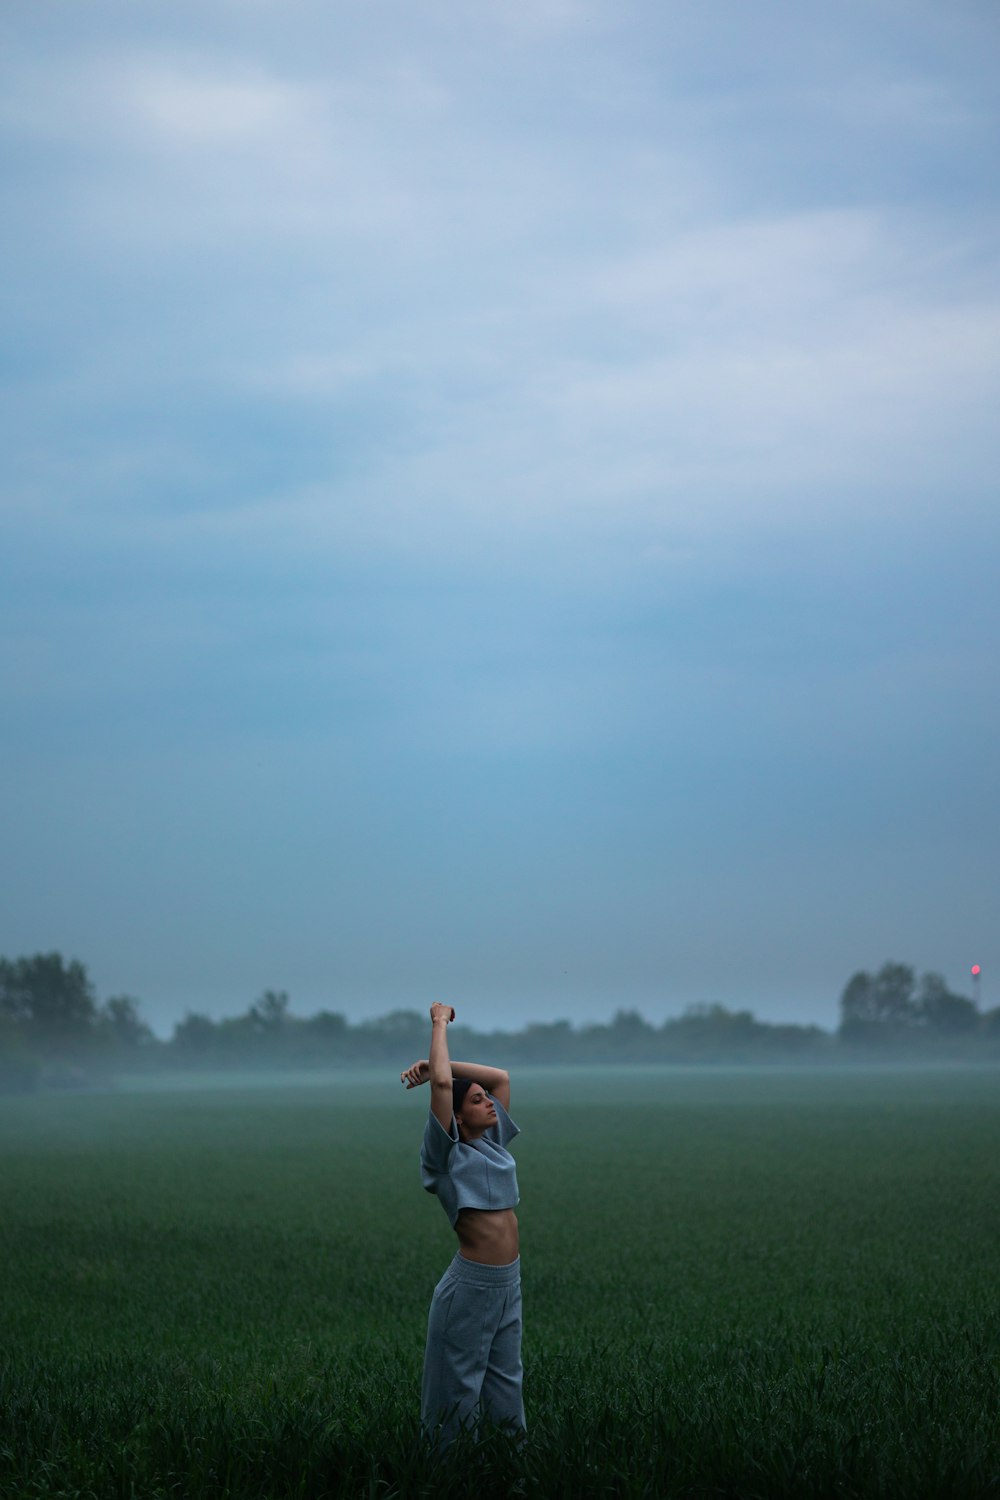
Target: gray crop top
{"x": 470, "y": 1174}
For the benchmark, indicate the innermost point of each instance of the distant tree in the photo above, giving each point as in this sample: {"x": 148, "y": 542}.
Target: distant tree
{"x": 713, "y": 1032}
{"x": 268, "y": 1015}
{"x": 878, "y": 1005}
{"x": 942, "y": 1011}
{"x": 51, "y": 999}
{"x": 630, "y": 1024}
{"x": 546, "y": 1041}
{"x": 856, "y": 1005}
{"x": 398, "y": 1032}
{"x": 195, "y": 1035}
{"x": 20, "y": 1069}
{"x": 792, "y": 1039}
{"x": 398, "y": 1023}
{"x": 630, "y": 1037}
{"x": 327, "y": 1025}
{"x": 119, "y": 1022}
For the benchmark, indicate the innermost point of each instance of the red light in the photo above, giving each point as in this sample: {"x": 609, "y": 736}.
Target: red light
{"x": 976, "y": 971}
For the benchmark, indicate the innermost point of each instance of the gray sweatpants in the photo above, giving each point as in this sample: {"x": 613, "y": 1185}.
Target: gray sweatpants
{"x": 472, "y": 1363}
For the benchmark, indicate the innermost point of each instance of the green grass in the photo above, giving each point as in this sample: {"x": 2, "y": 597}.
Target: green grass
{"x": 758, "y": 1284}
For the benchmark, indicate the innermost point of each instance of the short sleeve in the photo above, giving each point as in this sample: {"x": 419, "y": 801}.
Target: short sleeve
{"x": 438, "y": 1144}
{"x": 504, "y": 1130}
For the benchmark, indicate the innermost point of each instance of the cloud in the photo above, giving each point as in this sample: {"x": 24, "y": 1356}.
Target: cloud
{"x": 196, "y": 106}
{"x": 537, "y": 449}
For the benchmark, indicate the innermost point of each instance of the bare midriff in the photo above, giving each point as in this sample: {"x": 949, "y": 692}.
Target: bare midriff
{"x": 488, "y": 1235}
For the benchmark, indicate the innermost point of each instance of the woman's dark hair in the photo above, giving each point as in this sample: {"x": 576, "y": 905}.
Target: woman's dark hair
{"x": 459, "y": 1088}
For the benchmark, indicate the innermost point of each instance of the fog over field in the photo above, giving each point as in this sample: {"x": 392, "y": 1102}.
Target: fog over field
{"x": 740, "y": 1284}
{"x": 499, "y": 502}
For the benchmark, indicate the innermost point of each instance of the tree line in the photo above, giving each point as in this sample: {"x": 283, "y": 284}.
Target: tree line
{"x": 55, "y": 1032}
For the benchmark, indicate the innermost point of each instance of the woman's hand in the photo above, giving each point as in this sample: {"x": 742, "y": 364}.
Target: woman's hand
{"x": 416, "y": 1074}
{"x": 441, "y": 1012}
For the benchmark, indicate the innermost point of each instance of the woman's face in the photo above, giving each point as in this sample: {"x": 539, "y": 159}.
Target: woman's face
{"x": 477, "y": 1113}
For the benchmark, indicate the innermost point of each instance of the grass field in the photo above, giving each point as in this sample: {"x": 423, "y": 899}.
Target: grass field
{"x": 756, "y": 1284}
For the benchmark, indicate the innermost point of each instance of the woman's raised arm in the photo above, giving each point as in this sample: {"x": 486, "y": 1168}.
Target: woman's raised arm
{"x": 440, "y": 1064}
{"x": 494, "y": 1080}
{"x": 439, "y": 1070}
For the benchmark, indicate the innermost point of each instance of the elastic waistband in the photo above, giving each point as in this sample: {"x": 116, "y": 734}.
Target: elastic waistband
{"x": 474, "y": 1271}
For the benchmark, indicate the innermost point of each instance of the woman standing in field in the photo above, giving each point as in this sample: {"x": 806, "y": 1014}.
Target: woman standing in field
{"x": 472, "y": 1363}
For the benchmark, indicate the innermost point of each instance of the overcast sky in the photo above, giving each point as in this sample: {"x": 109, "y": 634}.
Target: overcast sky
{"x": 500, "y": 500}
